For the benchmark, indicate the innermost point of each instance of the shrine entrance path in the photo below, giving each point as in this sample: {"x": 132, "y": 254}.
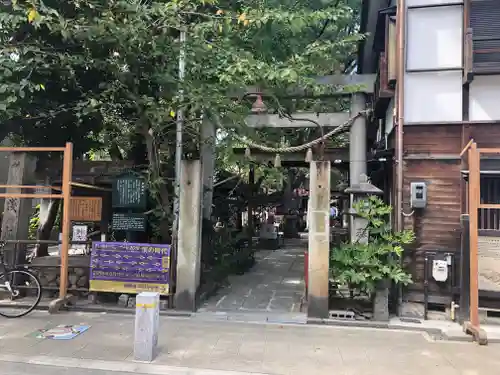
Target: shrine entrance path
{"x": 273, "y": 288}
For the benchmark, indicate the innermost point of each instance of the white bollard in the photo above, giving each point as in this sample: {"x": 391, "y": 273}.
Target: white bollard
{"x": 147, "y": 324}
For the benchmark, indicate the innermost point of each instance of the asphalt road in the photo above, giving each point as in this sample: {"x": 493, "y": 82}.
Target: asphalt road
{"x": 13, "y": 368}
{"x": 23, "y": 368}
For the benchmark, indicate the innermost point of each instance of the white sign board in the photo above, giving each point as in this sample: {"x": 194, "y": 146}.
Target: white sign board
{"x": 79, "y": 234}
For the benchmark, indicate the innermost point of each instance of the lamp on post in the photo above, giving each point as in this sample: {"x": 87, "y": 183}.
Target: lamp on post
{"x": 259, "y": 106}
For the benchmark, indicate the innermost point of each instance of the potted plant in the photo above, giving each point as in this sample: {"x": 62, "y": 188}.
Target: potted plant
{"x": 368, "y": 267}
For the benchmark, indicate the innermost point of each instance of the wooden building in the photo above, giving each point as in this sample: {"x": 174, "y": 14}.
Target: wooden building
{"x": 445, "y": 92}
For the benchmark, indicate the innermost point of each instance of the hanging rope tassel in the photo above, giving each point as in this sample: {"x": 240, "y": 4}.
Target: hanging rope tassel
{"x": 277, "y": 161}
{"x": 248, "y": 153}
{"x": 309, "y": 156}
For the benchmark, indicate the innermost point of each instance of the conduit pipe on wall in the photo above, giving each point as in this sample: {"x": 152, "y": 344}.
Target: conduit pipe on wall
{"x": 400, "y": 64}
{"x": 401, "y": 28}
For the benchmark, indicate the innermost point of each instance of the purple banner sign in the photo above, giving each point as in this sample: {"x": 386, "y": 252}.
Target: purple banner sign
{"x": 123, "y": 267}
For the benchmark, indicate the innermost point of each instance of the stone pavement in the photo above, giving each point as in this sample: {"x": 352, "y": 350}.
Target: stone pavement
{"x": 194, "y": 347}
{"x": 274, "y": 284}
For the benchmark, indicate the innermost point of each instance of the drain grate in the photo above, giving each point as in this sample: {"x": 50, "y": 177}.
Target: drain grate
{"x": 342, "y": 314}
{"x": 410, "y": 320}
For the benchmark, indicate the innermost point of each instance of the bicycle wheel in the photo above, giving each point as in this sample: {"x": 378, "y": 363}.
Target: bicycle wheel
{"x": 24, "y": 296}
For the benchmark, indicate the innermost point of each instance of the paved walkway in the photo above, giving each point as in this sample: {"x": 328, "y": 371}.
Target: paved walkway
{"x": 274, "y": 285}
{"x": 194, "y": 347}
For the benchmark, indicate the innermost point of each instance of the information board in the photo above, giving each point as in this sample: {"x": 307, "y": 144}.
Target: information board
{"x": 85, "y": 209}
{"x": 129, "y": 191}
{"x": 129, "y": 222}
{"x": 122, "y": 267}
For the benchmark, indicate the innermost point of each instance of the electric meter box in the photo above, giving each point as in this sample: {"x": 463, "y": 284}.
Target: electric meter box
{"x": 418, "y": 195}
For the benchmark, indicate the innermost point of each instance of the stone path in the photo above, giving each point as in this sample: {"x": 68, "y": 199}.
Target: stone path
{"x": 192, "y": 347}
{"x": 274, "y": 285}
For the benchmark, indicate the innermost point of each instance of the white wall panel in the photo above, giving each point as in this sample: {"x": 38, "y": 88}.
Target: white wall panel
{"x": 431, "y": 2}
{"x": 484, "y": 99}
{"x": 433, "y": 97}
{"x": 389, "y": 124}
{"x": 434, "y": 37}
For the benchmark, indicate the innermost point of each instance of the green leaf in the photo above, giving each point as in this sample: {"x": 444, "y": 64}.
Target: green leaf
{"x": 32, "y": 15}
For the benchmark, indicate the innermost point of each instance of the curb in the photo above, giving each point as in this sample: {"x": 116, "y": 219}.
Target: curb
{"x": 436, "y": 334}
{"x": 114, "y": 310}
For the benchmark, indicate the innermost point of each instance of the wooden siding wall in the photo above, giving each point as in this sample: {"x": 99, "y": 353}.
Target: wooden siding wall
{"x": 437, "y": 227}
{"x": 486, "y": 135}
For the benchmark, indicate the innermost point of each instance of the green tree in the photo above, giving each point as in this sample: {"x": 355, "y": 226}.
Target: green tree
{"x": 104, "y": 73}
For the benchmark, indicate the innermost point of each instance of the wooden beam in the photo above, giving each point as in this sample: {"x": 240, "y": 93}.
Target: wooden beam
{"x": 87, "y": 186}
{"x": 35, "y": 187}
{"x": 346, "y": 84}
{"x": 336, "y": 155}
{"x": 32, "y": 149}
{"x": 304, "y": 120}
{"x": 36, "y": 196}
{"x": 466, "y": 148}
{"x": 489, "y": 150}
{"x": 491, "y": 206}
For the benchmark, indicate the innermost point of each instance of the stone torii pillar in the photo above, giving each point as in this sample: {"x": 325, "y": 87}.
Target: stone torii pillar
{"x": 189, "y": 241}
{"x": 319, "y": 239}
{"x": 357, "y": 151}
{"x": 17, "y": 211}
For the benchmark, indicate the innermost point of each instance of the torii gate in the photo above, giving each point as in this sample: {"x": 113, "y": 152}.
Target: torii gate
{"x": 355, "y": 86}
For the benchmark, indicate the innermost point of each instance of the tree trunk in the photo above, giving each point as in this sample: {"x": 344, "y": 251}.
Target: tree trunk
{"x": 48, "y": 215}
{"x": 114, "y": 152}
{"x": 163, "y": 197}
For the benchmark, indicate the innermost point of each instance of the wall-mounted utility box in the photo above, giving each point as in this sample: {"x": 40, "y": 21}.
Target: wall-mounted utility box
{"x": 418, "y": 195}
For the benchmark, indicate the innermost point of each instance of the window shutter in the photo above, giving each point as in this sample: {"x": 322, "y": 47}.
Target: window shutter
{"x": 485, "y": 24}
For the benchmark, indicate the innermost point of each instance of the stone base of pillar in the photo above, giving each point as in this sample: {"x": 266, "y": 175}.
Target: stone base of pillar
{"x": 381, "y": 303}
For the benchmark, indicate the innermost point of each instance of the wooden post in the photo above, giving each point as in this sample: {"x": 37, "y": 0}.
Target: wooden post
{"x": 474, "y": 181}
{"x": 66, "y": 192}
{"x": 472, "y": 327}
{"x": 319, "y": 240}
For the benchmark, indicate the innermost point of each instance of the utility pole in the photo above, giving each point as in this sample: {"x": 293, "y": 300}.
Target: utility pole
{"x": 178, "y": 137}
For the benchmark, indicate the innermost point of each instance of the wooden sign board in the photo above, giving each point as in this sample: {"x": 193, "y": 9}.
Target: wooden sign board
{"x": 85, "y": 209}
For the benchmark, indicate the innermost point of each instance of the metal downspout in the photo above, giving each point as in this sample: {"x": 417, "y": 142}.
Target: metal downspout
{"x": 401, "y": 30}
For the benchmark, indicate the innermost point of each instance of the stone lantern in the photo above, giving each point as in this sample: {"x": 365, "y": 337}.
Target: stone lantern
{"x": 358, "y": 192}
{"x": 358, "y": 234}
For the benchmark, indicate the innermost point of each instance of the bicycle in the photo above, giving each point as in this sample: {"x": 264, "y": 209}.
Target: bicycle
{"x": 17, "y": 285}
